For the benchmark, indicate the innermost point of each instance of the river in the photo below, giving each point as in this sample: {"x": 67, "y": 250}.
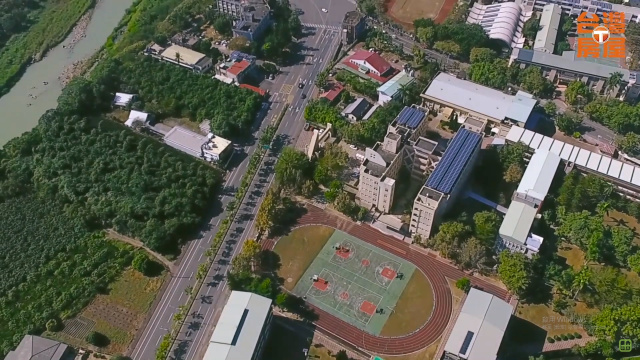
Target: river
{"x": 16, "y": 115}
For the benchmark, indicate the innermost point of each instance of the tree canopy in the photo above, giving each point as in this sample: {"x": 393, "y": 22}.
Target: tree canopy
{"x": 515, "y": 271}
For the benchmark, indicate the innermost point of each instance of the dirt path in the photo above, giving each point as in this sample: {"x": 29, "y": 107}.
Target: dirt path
{"x": 138, "y": 244}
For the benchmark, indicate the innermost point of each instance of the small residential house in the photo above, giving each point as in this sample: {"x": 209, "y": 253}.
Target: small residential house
{"x": 38, "y": 348}
{"x": 236, "y": 69}
{"x": 332, "y": 92}
{"x": 391, "y": 89}
{"x": 136, "y": 115}
{"x": 370, "y": 61}
{"x": 123, "y": 99}
{"x": 185, "y": 39}
{"x": 356, "y": 110}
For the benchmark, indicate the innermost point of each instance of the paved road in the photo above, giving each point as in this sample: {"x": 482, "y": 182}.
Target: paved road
{"x": 589, "y": 127}
{"x": 319, "y": 48}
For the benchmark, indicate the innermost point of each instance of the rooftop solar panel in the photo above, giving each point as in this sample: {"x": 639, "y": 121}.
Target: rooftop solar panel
{"x": 465, "y": 344}
{"x": 454, "y": 160}
{"x": 410, "y": 117}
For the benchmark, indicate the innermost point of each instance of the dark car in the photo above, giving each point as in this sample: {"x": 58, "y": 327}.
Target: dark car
{"x": 304, "y": 96}
{"x": 300, "y": 85}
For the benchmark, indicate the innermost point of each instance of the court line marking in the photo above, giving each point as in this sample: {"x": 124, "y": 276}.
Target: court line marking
{"x": 353, "y": 283}
{"x": 392, "y": 247}
{"x": 358, "y": 275}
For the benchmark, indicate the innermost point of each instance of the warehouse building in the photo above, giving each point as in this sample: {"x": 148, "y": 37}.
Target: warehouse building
{"x": 478, "y": 332}
{"x": 472, "y": 101}
{"x": 445, "y": 183}
{"x": 182, "y": 56}
{"x": 625, "y": 177}
{"x": 210, "y": 148}
{"x": 243, "y": 328}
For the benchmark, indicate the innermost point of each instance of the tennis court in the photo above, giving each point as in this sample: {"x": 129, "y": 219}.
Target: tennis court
{"x": 355, "y": 281}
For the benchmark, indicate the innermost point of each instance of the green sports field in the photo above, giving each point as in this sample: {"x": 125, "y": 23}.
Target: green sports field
{"x": 354, "y": 281}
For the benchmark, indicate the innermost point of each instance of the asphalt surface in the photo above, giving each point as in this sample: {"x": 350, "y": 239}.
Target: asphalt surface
{"x": 318, "y": 48}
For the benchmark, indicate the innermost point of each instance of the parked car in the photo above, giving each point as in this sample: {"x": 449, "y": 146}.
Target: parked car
{"x": 306, "y": 126}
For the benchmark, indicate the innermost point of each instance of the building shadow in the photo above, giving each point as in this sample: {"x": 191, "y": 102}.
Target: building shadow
{"x": 522, "y": 339}
{"x": 288, "y": 339}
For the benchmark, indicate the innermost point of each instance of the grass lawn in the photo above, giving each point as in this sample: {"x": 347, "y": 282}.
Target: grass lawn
{"x": 616, "y": 218}
{"x": 573, "y": 254}
{"x": 542, "y": 315}
{"x": 405, "y": 11}
{"x": 120, "y": 313}
{"x": 298, "y": 250}
{"x": 413, "y": 309}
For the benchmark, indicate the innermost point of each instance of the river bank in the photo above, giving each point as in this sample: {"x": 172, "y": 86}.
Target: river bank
{"x": 39, "y": 87}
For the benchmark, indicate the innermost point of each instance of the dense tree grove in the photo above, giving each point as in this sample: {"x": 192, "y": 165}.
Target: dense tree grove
{"x": 170, "y": 90}
{"x": 620, "y": 116}
{"x": 455, "y": 38}
{"x": 48, "y": 254}
{"x": 110, "y": 177}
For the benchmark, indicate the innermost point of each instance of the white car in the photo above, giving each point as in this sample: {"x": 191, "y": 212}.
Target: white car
{"x": 353, "y": 147}
{"x": 325, "y": 10}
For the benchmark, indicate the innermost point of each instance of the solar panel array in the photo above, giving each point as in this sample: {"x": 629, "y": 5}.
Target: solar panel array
{"x": 410, "y": 117}
{"x": 467, "y": 341}
{"x": 455, "y": 159}
{"x": 597, "y": 163}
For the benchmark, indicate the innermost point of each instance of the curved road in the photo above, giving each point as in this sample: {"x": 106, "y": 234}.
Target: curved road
{"x": 435, "y": 270}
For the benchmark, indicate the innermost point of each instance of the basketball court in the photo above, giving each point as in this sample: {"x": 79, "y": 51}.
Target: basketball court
{"x": 355, "y": 282}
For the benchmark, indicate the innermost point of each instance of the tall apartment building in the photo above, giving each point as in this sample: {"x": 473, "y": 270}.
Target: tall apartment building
{"x": 446, "y": 182}
{"x": 353, "y": 26}
{"x": 251, "y": 17}
{"x": 231, "y": 7}
{"x": 379, "y": 170}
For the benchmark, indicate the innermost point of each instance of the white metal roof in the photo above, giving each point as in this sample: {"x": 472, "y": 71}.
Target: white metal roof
{"x": 598, "y": 163}
{"x": 539, "y": 174}
{"x": 549, "y": 23}
{"x": 500, "y": 21}
{"x": 239, "y": 328}
{"x": 123, "y": 99}
{"x": 482, "y": 321}
{"x": 480, "y": 99}
{"x": 517, "y": 222}
{"x": 136, "y": 115}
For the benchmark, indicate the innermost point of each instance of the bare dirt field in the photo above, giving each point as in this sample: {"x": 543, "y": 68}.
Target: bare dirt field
{"x": 404, "y": 12}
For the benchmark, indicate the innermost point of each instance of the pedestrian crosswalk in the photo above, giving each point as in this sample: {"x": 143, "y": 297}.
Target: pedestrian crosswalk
{"x": 321, "y": 26}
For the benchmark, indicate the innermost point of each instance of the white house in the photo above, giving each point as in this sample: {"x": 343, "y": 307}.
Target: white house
{"x": 137, "y": 115}
{"x": 123, "y": 99}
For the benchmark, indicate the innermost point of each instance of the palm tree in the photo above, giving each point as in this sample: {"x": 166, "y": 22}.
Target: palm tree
{"x": 603, "y": 208}
{"x": 614, "y": 81}
{"x": 404, "y": 92}
{"x": 178, "y": 57}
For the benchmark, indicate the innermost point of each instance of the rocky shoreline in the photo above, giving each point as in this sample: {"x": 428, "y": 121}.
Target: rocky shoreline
{"x": 77, "y": 34}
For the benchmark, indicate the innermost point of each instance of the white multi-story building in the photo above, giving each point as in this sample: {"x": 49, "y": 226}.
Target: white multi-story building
{"x": 403, "y": 144}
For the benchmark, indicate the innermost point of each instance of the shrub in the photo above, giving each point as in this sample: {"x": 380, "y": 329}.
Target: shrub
{"x": 577, "y": 335}
{"x": 97, "y": 339}
{"x": 564, "y": 337}
{"x": 557, "y": 338}
{"x": 53, "y": 325}
{"x": 464, "y": 284}
{"x": 571, "y": 336}
{"x": 550, "y": 340}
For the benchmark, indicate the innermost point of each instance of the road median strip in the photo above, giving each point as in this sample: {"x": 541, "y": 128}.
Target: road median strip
{"x": 168, "y": 341}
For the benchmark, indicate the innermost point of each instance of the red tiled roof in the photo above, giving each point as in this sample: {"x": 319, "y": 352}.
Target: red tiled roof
{"x": 374, "y": 59}
{"x": 380, "y": 79}
{"x": 238, "y": 67}
{"x": 333, "y": 92}
{"x": 253, "y": 88}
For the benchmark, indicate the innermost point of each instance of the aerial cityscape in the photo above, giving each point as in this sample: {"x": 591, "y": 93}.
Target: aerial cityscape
{"x": 319, "y": 179}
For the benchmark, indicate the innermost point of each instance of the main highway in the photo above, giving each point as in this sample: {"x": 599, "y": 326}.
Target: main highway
{"x": 318, "y": 47}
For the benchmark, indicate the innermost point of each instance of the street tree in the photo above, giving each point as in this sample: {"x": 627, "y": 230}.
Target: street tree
{"x": 513, "y": 174}
{"x": 486, "y": 226}
{"x": 291, "y": 169}
{"x": 482, "y": 55}
{"x": 568, "y": 122}
{"x": 266, "y": 212}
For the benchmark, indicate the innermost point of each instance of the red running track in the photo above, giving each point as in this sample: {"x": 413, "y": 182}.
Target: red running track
{"x": 435, "y": 270}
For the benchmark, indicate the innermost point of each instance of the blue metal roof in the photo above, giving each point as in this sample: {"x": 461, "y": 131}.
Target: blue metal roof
{"x": 238, "y": 55}
{"x": 455, "y": 159}
{"x": 411, "y": 117}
